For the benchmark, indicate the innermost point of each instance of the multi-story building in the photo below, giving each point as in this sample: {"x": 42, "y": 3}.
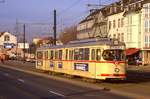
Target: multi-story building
{"x": 94, "y": 25}
{"x": 126, "y": 20}
{"x": 7, "y": 40}
{"x": 145, "y": 31}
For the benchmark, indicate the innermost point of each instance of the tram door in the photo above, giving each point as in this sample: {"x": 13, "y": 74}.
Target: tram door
{"x": 66, "y": 62}
{"x": 45, "y": 58}
{"x": 95, "y": 57}
{"x": 70, "y": 62}
{"x": 51, "y": 62}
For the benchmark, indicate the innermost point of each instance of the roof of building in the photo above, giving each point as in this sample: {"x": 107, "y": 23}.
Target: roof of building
{"x": 107, "y": 10}
{"x": 2, "y": 33}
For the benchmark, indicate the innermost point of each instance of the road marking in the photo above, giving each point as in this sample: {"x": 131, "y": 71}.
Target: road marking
{"x": 58, "y": 94}
{"x": 21, "y": 80}
{"x": 6, "y": 74}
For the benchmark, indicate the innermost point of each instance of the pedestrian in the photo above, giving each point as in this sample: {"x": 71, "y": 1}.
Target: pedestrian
{"x": 137, "y": 61}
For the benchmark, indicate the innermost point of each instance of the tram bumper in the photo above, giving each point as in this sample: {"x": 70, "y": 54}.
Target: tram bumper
{"x": 113, "y": 76}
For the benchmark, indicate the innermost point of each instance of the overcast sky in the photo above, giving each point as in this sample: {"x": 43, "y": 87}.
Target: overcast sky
{"x": 69, "y": 12}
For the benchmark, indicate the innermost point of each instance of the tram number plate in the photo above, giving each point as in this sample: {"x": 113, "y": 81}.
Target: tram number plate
{"x": 81, "y": 66}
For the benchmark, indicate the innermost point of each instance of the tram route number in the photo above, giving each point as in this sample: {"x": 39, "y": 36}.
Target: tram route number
{"x": 81, "y": 66}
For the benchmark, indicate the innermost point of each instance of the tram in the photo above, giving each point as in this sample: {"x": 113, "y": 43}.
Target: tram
{"x": 97, "y": 58}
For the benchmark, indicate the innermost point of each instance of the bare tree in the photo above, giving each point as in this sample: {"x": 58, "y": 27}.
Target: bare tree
{"x": 68, "y": 34}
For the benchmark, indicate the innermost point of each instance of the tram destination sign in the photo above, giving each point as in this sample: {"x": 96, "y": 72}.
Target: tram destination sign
{"x": 81, "y": 66}
{"x": 116, "y": 47}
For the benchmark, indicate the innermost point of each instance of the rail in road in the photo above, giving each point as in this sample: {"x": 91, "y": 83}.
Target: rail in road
{"x": 137, "y": 79}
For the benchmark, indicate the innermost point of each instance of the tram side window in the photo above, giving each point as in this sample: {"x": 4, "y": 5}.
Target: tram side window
{"x": 46, "y": 54}
{"x": 98, "y": 54}
{"x": 80, "y": 54}
{"x": 60, "y": 55}
{"x": 93, "y": 54}
{"x": 76, "y": 54}
{"x": 71, "y": 55}
{"x": 66, "y": 54}
{"x": 86, "y": 54}
{"x": 39, "y": 55}
{"x": 56, "y": 54}
{"x": 52, "y": 55}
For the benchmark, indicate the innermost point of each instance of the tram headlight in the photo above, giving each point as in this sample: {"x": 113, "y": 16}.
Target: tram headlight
{"x": 116, "y": 70}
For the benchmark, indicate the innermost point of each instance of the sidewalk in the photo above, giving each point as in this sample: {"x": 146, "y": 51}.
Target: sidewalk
{"x": 139, "y": 68}
{"x": 135, "y": 90}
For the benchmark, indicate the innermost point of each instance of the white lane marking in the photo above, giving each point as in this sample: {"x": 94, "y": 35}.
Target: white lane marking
{"x": 21, "y": 80}
{"x": 58, "y": 94}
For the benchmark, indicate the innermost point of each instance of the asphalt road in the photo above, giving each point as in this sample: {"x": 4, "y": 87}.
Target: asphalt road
{"x": 18, "y": 85}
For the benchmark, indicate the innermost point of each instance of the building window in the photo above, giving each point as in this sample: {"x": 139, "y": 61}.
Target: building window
{"x": 149, "y": 10}
{"x": 119, "y": 36}
{"x": 146, "y": 11}
{"x": 122, "y": 22}
{"x": 6, "y": 38}
{"x": 146, "y": 26}
{"x": 114, "y": 23}
{"x": 146, "y": 41}
{"x": 118, "y": 23}
{"x": 149, "y": 26}
{"x": 109, "y": 24}
{"x": 130, "y": 20}
{"x": 109, "y": 36}
{"x": 122, "y": 37}
{"x": 149, "y": 40}
{"x": 114, "y": 36}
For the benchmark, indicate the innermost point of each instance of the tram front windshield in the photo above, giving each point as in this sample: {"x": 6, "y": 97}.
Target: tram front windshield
{"x": 113, "y": 55}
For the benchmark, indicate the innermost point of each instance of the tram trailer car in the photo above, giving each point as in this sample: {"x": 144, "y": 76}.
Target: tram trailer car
{"x": 92, "y": 58}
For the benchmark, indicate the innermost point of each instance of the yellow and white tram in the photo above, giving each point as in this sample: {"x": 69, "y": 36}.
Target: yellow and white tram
{"x": 93, "y": 58}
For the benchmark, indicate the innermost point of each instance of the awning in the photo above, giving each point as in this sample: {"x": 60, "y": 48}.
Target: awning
{"x": 132, "y": 51}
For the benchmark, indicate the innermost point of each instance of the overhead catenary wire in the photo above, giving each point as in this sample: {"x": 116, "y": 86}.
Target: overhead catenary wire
{"x": 112, "y": 5}
{"x": 70, "y": 7}
{"x": 72, "y": 19}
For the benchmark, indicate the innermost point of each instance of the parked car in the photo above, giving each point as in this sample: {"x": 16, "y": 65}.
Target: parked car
{"x": 30, "y": 60}
{"x": 12, "y": 56}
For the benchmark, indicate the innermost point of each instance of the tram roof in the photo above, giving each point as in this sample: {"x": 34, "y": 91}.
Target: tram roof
{"x": 86, "y": 42}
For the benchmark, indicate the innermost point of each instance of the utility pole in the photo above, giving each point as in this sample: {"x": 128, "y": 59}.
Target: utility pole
{"x": 17, "y": 38}
{"x": 54, "y": 27}
{"x": 24, "y": 31}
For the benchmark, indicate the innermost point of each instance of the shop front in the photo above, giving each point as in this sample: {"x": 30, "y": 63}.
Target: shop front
{"x": 146, "y": 56}
{"x": 134, "y": 56}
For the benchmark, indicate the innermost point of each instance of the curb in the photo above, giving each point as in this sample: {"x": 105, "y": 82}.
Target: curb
{"x": 80, "y": 83}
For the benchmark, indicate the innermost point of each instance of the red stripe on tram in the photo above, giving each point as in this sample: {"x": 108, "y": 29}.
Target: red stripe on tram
{"x": 113, "y": 75}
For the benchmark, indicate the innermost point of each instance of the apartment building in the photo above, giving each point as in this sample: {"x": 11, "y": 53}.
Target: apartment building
{"x": 94, "y": 25}
{"x": 145, "y": 28}
{"x": 126, "y": 20}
